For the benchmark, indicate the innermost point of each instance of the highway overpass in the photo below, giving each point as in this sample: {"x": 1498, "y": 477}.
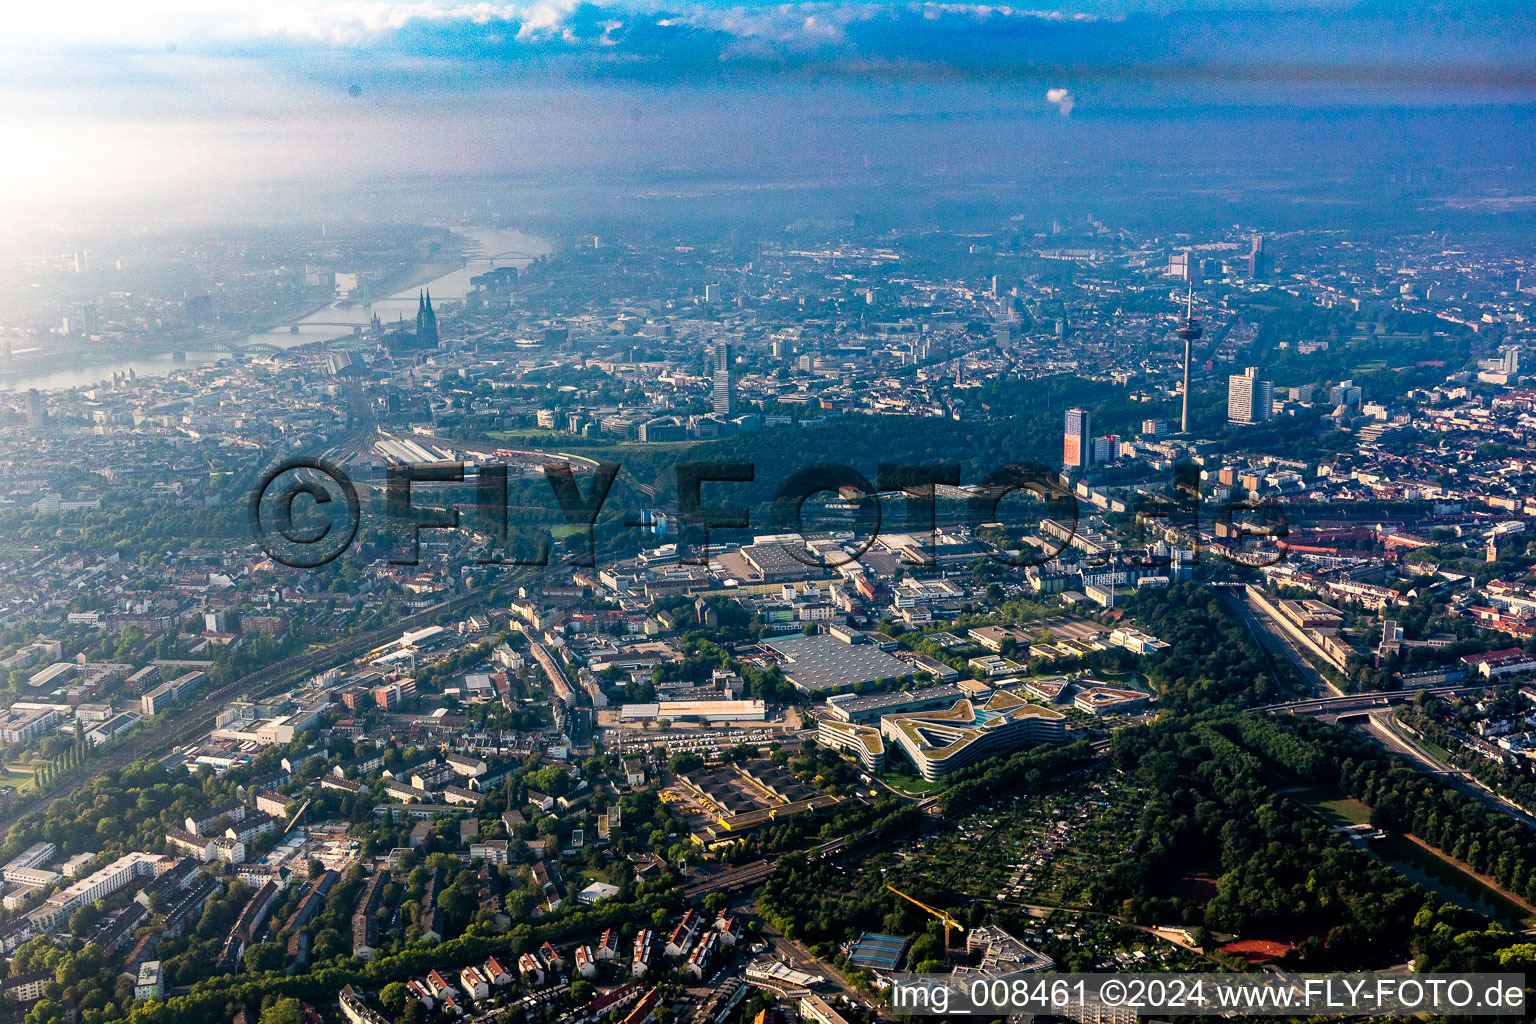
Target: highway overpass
{"x": 1334, "y": 708}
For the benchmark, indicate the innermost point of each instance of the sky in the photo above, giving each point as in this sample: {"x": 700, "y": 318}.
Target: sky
{"x": 143, "y": 107}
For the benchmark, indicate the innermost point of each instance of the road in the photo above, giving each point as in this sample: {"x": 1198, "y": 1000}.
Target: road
{"x": 1387, "y": 733}
{"x": 199, "y": 717}
{"x": 1369, "y": 701}
{"x": 1273, "y": 641}
{"x": 800, "y": 958}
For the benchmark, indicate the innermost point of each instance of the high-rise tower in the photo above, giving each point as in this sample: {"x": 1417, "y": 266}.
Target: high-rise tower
{"x": 725, "y": 388}
{"x": 1076, "y": 451}
{"x": 37, "y": 409}
{"x": 1249, "y": 399}
{"x": 1257, "y": 262}
{"x": 1190, "y": 331}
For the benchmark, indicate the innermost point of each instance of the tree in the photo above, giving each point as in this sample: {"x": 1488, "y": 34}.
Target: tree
{"x": 46, "y": 1011}
{"x": 459, "y": 901}
{"x": 393, "y": 996}
{"x": 684, "y": 762}
{"x": 519, "y": 905}
{"x": 265, "y": 956}
{"x": 81, "y": 921}
{"x": 582, "y": 991}
{"x": 283, "y": 1011}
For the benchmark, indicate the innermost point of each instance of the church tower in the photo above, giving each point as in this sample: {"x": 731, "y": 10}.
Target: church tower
{"x": 426, "y": 322}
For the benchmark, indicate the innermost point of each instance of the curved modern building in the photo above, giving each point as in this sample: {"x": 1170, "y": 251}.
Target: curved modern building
{"x": 862, "y": 741}
{"x": 939, "y": 742}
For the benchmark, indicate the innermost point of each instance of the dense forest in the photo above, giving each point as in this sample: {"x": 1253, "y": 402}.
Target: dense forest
{"x": 1211, "y": 659}
{"x": 1220, "y": 809}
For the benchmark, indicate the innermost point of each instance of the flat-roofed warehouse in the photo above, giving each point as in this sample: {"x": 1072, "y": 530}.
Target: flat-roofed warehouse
{"x": 680, "y": 710}
{"x": 828, "y": 661}
{"x": 774, "y": 565}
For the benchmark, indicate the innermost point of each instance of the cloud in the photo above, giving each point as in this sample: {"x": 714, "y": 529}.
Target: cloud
{"x": 93, "y": 91}
{"x": 1371, "y": 43}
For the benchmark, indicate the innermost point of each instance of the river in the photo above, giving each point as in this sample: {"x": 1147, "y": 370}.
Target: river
{"x": 488, "y": 247}
{"x": 1440, "y": 876}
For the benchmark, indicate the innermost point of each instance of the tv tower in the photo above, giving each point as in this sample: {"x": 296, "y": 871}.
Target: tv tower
{"x": 1189, "y": 330}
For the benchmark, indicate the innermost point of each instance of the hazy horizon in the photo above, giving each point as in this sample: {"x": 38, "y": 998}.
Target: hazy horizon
{"x": 174, "y": 112}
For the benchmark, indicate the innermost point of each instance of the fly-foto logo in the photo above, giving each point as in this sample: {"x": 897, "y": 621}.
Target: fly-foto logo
{"x": 1249, "y": 532}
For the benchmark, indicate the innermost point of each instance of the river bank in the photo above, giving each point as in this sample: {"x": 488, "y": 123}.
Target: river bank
{"x": 447, "y": 277}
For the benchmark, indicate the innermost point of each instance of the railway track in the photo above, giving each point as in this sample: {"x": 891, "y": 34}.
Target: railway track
{"x": 726, "y": 881}
{"x": 199, "y": 717}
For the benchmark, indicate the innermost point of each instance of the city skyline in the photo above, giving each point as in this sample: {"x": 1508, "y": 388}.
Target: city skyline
{"x": 740, "y": 512}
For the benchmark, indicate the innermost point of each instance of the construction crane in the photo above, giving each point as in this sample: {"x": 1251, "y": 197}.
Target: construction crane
{"x": 949, "y": 922}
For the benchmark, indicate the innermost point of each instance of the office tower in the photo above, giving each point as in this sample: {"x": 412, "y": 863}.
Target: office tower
{"x": 711, "y": 293}
{"x": 725, "y": 388}
{"x": 1249, "y": 399}
{"x": 1503, "y": 369}
{"x": 1256, "y": 259}
{"x": 1190, "y": 331}
{"x": 37, "y": 410}
{"x": 90, "y": 320}
{"x": 1184, "y": 265}
{"x": 1302, "y": 394}
{"x": 1061, "y": 327}
{"x": 1076, "y": 450}
{"x": 1106, "y": 448}
{"x": 1240, "y": 398}
{"x": 1344, "y": 393}
{"x": 1154, "y": 428}
{"x": 997, "y": 291}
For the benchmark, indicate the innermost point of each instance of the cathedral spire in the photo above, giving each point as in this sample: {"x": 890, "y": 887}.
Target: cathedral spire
{"x": 426, "y": 321}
